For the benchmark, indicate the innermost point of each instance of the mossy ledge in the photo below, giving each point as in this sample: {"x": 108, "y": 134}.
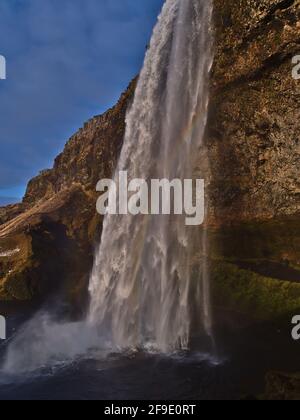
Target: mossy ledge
{"x": 255, "y": 267}
{"x": 244, "y": 291}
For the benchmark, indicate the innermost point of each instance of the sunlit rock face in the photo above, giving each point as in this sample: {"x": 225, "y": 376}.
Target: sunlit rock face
{"x": 252, "y": 171}
{"x": 254, "y": 127}
{"x": 57, "y": 226}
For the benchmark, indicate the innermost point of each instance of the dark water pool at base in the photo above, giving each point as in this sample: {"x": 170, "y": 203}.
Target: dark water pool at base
{"x": 244, "y": 356}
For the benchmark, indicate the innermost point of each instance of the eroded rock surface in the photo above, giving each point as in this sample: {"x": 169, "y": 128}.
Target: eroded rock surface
{"x": 57, "y": 226}
{"x": 255, "y": 111}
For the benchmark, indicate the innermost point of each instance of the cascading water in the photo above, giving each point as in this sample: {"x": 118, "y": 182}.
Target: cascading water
{"x": 143, "y": 284}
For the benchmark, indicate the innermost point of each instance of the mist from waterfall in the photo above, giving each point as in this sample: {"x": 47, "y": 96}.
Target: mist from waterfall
{"x": 144, "y": 288}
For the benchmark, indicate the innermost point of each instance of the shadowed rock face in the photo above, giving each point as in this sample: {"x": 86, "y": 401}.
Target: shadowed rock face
{"x": 253, "y": 149}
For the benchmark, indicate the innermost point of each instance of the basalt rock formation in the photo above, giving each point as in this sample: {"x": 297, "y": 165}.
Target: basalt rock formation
{"x": 255, "y": 111}
{"x": 253, "y": 149}
{"x": 254, "y": 153}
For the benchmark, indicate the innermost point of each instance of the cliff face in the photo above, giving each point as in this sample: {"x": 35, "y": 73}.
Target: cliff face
{"x": 88, "y": 156}
{"x": 254, "y": 154}
{"x": 47, "y": 242}
{"x": 255, "y": 112}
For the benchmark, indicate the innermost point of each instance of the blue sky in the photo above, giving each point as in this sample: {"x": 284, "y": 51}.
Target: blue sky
{"x": 67, "y": 60}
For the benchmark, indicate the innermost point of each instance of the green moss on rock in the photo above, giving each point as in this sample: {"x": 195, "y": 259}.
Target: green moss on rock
{"x": 250, "y": 293}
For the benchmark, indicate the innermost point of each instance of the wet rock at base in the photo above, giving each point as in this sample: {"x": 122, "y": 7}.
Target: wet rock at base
{"x": 282, "y": 386}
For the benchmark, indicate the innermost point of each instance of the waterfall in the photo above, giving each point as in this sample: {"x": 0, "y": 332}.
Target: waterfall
{"x": 150, "y": 282}
{"x": 143, "y": 286}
